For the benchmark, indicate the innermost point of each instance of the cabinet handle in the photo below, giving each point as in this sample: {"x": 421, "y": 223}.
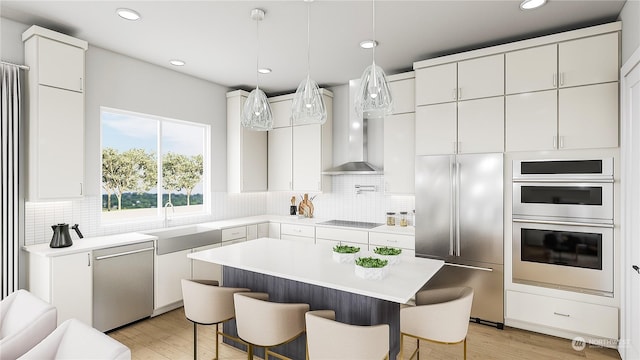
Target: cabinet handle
{"x": 454, "y": 94}
{"x": 555, "y": 142}
{"x": 81, "y": 189}
{"x": 89, "y": 259}
{"x": 459, "y": 93}
{"x": 561, "y": 79}
{"x": 455, "y": 146}
{"x": 392, "y": 241}
{"x": 561, "y": 142}
{"x": 81, "y": 84}
{"x": 561, "y": 314}
{"x": 555, "y": 80}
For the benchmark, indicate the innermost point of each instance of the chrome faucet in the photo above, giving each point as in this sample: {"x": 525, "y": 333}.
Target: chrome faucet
{"x": 166, "y": 219}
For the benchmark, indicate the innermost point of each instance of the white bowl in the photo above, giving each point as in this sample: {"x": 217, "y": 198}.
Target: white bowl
{"x": 371, "y": 273}
{"x": 345, "y": 258}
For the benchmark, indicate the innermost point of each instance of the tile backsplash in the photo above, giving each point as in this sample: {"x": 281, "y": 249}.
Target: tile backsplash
{"x": 342, "y": 203}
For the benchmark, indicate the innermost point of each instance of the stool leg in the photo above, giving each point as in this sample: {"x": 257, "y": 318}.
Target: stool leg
{"x": 217, "y": 355}
{"x": 195, "y": 341}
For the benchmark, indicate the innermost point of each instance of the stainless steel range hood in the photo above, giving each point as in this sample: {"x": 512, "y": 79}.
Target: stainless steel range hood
{"x": 358, "y": 143}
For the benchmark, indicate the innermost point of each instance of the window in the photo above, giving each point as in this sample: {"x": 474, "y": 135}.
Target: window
{"x": 149, "y": 162}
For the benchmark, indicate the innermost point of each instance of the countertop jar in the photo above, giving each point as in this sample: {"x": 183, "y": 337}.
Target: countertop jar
{"x": 403, "y": 218}
{"x": 391, "y": 219}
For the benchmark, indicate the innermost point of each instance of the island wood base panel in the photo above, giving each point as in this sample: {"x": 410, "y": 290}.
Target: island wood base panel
{"x": 350, "y": 308}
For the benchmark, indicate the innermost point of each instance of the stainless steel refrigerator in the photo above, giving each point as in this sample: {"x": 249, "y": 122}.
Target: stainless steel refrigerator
{"x": 459, "y": 218}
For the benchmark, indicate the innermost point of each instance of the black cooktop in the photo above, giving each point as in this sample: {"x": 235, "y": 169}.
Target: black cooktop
{"x": 355, "y": 224}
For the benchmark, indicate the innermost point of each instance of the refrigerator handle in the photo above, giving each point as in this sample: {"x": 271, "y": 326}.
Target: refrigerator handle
{"x": 457, "y": 207}
{"x": 452, "y": 221}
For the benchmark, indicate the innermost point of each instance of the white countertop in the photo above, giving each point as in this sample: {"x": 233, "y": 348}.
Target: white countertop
{"x": 313, "y": 264}
{"x": 88, "y": 244}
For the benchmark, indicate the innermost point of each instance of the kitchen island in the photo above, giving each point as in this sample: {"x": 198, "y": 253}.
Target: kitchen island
{"x": 299, "y": 272}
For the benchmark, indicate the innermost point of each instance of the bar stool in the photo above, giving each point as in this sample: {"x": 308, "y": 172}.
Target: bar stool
{"x": 440, "y": 316}
{"x": 206, "y": 303}
{"x": 267, "y": 324}
{"x": 329, "y": 339}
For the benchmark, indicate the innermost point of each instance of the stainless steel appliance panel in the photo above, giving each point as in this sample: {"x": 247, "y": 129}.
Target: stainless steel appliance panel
{"x": 486, "y": 281}
{"x": 434, "y": 206}
{"x": 480, "y": 208}
{"x": 122, "y": 285}
{"x": 584, "y": 169}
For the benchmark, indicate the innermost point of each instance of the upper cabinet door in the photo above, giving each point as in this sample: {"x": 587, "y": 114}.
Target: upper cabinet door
{"x": 532, "y": 121}
{"x": 60, "y": 65}
{"x": 280, "y": 159}
{"x": 481, "y": 125}
{"x": 531, "y": 69}
{"x": 436, "y": 84}
{"x": 436, "y": 129}
{"x": 481, "y": 77}
{"x": 404, "y": 99}
{"x": 281, "y": 111}
{"x": 590, "y": 60}
{"x": 399, "y": 154}
{"x": 307, "y": 158}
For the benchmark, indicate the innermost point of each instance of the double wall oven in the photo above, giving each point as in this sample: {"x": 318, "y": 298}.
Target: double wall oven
{"x": 563, "y": 224}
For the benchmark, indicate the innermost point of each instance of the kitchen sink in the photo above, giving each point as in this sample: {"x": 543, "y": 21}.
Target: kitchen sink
{"x": 184, "y": 237}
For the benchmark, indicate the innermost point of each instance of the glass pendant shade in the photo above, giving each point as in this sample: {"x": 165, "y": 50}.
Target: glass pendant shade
{"x": 256, "y": 112}
{"x": 373, "y": 98}
{"x": 308, "y": 104}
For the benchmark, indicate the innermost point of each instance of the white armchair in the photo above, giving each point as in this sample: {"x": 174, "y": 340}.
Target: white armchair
{"x": 24, "y": 321}
{"x": 74, "y": 339}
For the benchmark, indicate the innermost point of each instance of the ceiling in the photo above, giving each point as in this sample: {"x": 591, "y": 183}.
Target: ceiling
{"x": 217, "y": 39}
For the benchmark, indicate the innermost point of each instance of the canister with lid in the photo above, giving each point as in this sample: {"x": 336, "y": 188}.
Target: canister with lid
{"x": 391, "y": 219}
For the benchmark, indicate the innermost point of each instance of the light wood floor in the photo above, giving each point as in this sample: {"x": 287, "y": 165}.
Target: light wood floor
{"x": 170, "y": 336}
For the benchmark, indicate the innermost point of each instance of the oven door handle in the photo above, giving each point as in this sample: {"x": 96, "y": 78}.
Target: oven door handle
{"x": 561, "y": 180}
{"x": 568, "y": 223}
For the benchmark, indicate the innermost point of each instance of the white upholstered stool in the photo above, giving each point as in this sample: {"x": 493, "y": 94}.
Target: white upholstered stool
{"x": 267, "y": 324}
{"x": 331, "y": 340}
{"x": 440, "y": 315}
{"x": 206, "y": 303}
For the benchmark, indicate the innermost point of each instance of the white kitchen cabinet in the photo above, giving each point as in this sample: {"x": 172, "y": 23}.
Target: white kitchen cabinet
{"x": 464, "y": 80}
{"x": 169, "y": 270}
{"x": 436, "y": 129}
{"x": 588, "y": 116}
{"x": 343, "y": 236}
{"x": 238, "y": 232}
{"x": 532, "y": 69}
{"x": 281, "y": 159}
{"x": 402, "y": 87}
{"x": 295, "y": 232}
{"x": 55, "y": 115}
{"x": 568, "y": 315}
{"x": 246, "y": 150}
{"x": 531, "y": 121}
{"x": 590, "y": 60}
{"x": 263, "y": 230}
{"x": 252, "y": 232}
{"x": 399, "y": 153}
{"x": 281, "y": 111}
{"x": 405, "y": 242}
{"x": 66, "y": 282}
{"x": 436, "y": 84}
{"x": 274, "y": 230}
{"x": 481, "y": 125}
{"x": 298, "y": 154}
{"x": 202, "y": 270}
{"x": 56, "y": 128}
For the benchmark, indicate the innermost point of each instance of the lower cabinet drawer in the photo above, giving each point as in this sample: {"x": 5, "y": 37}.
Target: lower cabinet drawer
{"x": 307, "y": 240}
{"x": 569, "y": 315}
{"x": 234, "y": 233}
{"x": 343, "y": 235}
{"x": 392, "y": 240}
{"x": 298, "y": 230}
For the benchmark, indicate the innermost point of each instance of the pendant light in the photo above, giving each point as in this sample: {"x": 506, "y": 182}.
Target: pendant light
{"x": 308, "y": 104}
{"x": 373, "y": 97}
{"x": 256, "y": 113}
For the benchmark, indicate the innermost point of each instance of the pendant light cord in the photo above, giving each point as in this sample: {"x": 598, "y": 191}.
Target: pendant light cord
{"x": 308, "y": 43}
{"x": 373, "y": 2}
{"x": 257, "y": 52}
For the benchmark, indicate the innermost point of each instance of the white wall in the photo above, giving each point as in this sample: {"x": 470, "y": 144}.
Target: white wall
{"x": 630, "y": 17}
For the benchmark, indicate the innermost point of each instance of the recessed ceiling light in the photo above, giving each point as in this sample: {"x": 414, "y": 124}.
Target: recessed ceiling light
{"x": 128, "y": 14}
{"x": 368, "y": 44}
{"x": 531, "y": 4}
{"x": 177, "y": 62}
{"x": 264, "y": 70}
